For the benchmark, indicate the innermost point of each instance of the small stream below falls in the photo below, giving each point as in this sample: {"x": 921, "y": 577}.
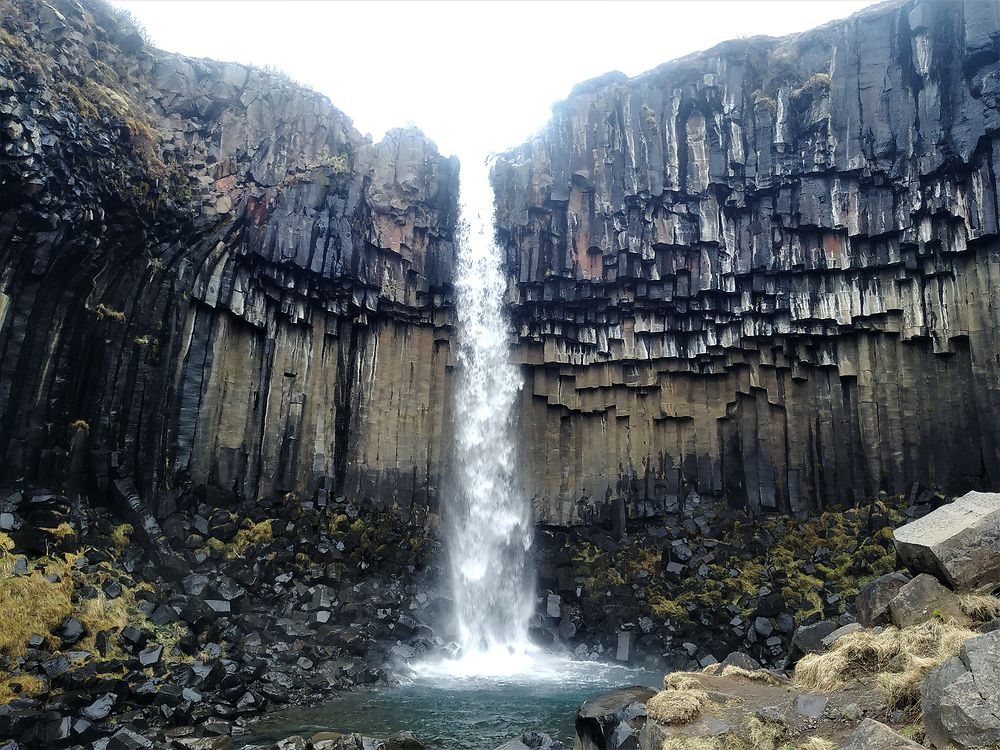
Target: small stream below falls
{"x": 463, "y": 713}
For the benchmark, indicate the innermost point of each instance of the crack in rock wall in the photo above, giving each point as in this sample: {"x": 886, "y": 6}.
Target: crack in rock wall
{"x": 210, "y": 278}
{"x": 767, "y": 271}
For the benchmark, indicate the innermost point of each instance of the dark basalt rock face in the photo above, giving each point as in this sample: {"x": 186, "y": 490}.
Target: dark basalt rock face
{"x": 767, "y": 270}
{"x": 209, "y": 277}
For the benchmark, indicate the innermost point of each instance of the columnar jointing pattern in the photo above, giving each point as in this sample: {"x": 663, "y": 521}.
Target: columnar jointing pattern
{"x": 768, "y": 270}
{"x": 209, "y": 279}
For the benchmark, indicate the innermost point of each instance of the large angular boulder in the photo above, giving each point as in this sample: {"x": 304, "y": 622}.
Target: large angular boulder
{"x": 958, "y": 543}
{"x": 873, "y": 735}
{"x": 872, "y": 603}
{"x": 961, "y": 698}
{"x": 922, "y": 599}
{"x": 612, "y": 721}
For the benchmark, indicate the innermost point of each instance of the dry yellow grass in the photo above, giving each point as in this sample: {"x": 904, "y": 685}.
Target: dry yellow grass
{"x": 28, "y": 605}
{"x": 981, "y": 607}
{"x": 812, "y": 743}
{"x": 676, "y": 706}
{"x": 735, "y": 742}
{"x": 897, "y": 659}
{"x": 760, "y": 675}
{"x": 765, "y": 735}
{"x": 693, "y": 743}
{"x": 121, "y": 536}
{"x": 101, "y": 613}
{"x": 19, "y": 686}
{"x": 681, "y": 681}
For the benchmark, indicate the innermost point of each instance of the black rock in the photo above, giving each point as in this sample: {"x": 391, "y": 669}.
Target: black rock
{"x": 101, "y": 708}
{"x": 126, "y": 739}
{"x": 150, "y": 656}
{"x": 162, "y": 614}
{"x": 83, "y": 729}
{"x": 112, "y": 589}
{"x": 134, "y": 639}
{"x": 55, "y": 732}
{"x": 196, "y": 584}
{"x": 56, "y": 667}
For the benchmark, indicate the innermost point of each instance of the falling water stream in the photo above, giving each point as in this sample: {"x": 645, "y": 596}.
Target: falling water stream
{"x": 490, "y": 531}
{"x": 500, "y": 684}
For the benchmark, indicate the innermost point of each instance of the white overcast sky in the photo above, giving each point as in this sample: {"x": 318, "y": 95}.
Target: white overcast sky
{"x": 476, "y": 76}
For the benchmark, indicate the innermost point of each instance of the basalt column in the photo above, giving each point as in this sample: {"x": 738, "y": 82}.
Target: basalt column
{"x": 768, "y": 271}
{"x": 209, "y": 280}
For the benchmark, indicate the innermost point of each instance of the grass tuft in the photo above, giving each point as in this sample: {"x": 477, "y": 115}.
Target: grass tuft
{"x": 897, "y": 659}
{"x": 28, "y": 605}
{"x": 765, "y": 735}
{"x": 103, "y": 311}
{"x": 249, "y": 537}
{"x": 681, "y": 681}
{"x": 121, "y": 536}
{"x": 980, "y": 607}
{"x": 676, "y": 706}
{"x": 759, "y": 675}
{"x": 20, "y": 686}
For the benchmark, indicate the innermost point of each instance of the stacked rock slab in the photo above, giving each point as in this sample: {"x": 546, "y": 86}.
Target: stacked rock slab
{"x": 767, "y": 270}
{"x": 208, "y": 276}
{"x": 959, "y": 543}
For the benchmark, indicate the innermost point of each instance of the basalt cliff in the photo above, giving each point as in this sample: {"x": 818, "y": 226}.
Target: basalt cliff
{"x": 209, "y": 280}
{"x": 767, "y": 272}
{"x": 764, "y": 273}
{"x": 753, "y": 295}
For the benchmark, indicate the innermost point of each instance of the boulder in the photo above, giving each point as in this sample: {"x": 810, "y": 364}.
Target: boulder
{"x": 922, "y": 599}
{"x": 810, "y": 706}
{"x": 808, "y": 639}
{"x": 599, "y": 720}
{"x": 741, "y": 660}
{"x": 204, "y": 743}
{"x": 956, "y": 543}
{"x": 829, "y": 640}
{"x": 872, "y": 603}
{"x": 873, "y": 735}
{"x": 960, "y": 699}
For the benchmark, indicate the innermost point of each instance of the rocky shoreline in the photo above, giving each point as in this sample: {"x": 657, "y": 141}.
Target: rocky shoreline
{"x": 237, "y": 610}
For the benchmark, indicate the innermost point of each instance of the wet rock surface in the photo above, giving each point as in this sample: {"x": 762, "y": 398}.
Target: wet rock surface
{"x": 612, "y": 721}
{"x": 739, "y": 271}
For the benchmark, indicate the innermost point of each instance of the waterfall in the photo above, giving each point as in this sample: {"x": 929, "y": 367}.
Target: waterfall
{"x": 490, "y": 533}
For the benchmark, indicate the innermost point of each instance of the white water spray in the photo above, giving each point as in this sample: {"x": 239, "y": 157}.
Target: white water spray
{"x": 491, "y": 520}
